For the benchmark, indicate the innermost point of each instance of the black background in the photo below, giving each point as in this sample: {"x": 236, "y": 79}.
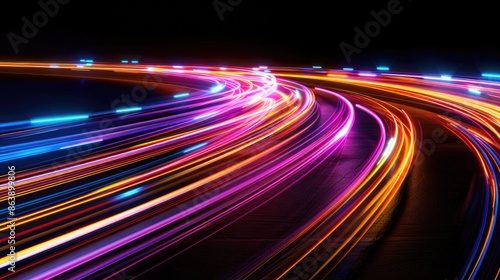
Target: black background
{"x": 449, "y": 37}
{"x": 445, "y": 37}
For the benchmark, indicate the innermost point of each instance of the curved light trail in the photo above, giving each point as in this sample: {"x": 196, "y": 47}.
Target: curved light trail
{"x": 229, "y": 140}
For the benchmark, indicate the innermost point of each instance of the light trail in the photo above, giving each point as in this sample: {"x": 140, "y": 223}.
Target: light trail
{"x": 231, "y": 139}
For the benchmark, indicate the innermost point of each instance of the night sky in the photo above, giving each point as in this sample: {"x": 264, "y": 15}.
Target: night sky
{"x": 449, "y": 36}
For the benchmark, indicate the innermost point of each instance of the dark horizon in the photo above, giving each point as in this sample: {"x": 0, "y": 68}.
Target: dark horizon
{"x": 421, "y": 36}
